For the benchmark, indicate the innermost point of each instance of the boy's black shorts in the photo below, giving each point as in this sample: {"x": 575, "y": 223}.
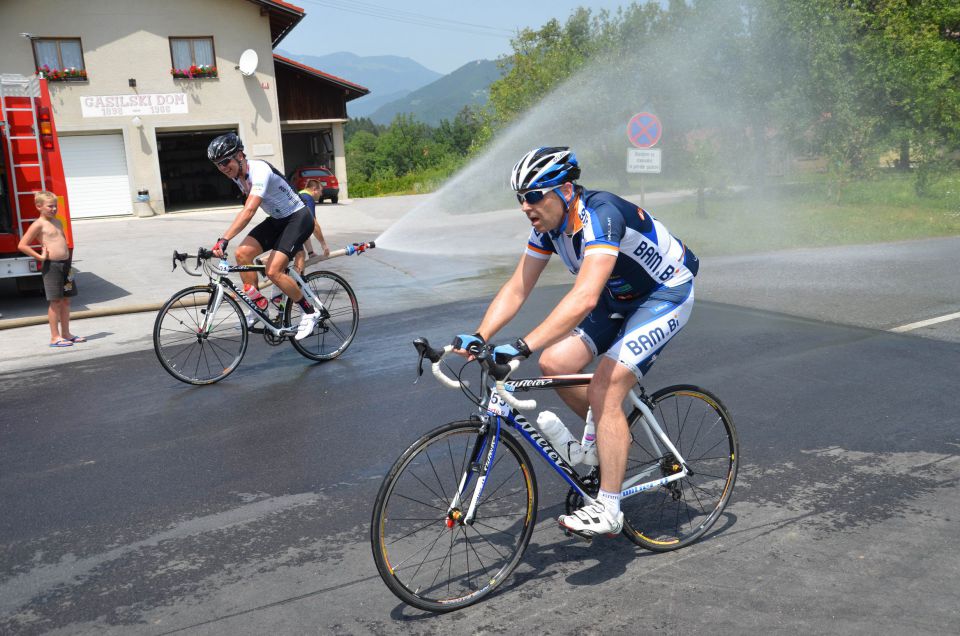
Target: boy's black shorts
{"x": 54, "y": 278}
{"x": 284, "y": 235}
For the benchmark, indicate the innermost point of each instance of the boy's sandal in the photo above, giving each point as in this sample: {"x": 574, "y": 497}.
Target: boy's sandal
{"x": 61, "y": 343}
{"x": 76, "y": 339}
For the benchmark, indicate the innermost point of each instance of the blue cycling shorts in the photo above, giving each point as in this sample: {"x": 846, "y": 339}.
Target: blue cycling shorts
{"x": 634, "y": 333}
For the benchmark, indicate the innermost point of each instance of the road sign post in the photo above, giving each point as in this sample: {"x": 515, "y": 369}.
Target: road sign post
{"x": 643, "y": 131}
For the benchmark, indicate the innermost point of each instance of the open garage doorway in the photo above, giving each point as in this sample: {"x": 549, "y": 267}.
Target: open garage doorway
{"x": 189, "y": 180}
{"x": 307, "y": 148}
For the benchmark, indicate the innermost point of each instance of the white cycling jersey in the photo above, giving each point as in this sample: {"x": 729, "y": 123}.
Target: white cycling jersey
{"x": 279, "y": 199}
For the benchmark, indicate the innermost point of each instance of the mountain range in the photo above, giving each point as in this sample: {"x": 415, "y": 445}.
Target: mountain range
{"x": 401, "y": 85}
{"x": 467, "y": 86}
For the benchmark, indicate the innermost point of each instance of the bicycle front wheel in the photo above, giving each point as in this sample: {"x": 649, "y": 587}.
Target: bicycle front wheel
{"x": 185, "y": 351}
{"x": 424, "y": 550}
{"x": 334, "y": 333}
{"x": 675, "y": 515}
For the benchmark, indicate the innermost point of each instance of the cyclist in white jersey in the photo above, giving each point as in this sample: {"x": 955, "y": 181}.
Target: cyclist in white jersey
{"x": 288, "y": 226}
{"x": 633, "y": 292}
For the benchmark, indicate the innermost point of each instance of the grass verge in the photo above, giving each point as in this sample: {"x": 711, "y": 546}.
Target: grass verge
{"x": 811, "y": 214}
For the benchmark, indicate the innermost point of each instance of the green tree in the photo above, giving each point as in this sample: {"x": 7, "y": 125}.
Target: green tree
{"x": 408, "y": 145}
{"x": 362, "y": 155}
{"x": 354, "y": 126}
{"x": 541, "y": 60}
{"x": 911, "y": 51}
{"x": 458, "y": 136}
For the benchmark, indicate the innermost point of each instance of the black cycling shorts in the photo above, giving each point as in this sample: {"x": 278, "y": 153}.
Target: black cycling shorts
{"x": 285, "y": 235}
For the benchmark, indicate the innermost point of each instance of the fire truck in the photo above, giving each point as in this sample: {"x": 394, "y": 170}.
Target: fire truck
{"x": 29, "y": 161}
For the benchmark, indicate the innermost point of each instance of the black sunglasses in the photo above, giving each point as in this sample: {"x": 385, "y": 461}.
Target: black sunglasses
{"x": 532, "y": 197}
{"x": 223, "y": 163}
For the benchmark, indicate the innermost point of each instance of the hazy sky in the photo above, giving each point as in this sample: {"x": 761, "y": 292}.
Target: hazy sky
{"x": 442, "y": 35}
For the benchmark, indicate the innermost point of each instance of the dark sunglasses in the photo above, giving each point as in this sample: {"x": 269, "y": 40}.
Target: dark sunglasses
{"x": 223, "y": 163}
{"x": 532, "y": 197}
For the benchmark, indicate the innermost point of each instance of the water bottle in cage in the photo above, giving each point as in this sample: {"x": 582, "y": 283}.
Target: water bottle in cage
{"x": 560, "y": 437}
{"x": 588, "y": 445}
{"x": 254, "y": 294}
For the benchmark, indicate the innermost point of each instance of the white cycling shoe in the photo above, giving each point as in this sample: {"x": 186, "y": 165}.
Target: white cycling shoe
{"x": 307, "y": 324}
{"x": 592, "y": 520}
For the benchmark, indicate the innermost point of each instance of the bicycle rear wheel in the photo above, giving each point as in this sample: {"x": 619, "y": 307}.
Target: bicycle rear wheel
{"x": 186, "y": 352}
{"x": 334, "y": 333}
{"x": 424, "y": 551}
{"x": 677, "y": 514}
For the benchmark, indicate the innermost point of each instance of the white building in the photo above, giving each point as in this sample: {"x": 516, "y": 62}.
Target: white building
{"x": 132, "y": 115}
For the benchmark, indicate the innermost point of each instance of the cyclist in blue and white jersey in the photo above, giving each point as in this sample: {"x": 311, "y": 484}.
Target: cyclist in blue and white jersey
{"x": 633, "y": 293}
{"x": 288, "y": 226}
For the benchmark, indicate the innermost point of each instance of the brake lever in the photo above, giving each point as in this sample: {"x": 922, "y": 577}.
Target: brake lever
{"x": 177, "y": 257}
{"x": 420, "y": 364}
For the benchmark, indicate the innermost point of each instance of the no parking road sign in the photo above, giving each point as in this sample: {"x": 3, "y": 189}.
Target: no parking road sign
{"x": 644, "y": 130}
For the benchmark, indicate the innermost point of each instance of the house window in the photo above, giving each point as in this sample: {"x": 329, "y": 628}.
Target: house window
{"x": 192, "y": 57}
{"x": 59, "y": 58}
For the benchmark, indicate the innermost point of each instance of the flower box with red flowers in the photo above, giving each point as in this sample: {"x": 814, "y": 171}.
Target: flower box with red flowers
{"x": 197, "y": 71}
{"x": 63, "y": 74}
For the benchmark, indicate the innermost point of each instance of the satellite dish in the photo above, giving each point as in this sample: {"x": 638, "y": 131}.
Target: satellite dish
{"x": 248, "y": 62}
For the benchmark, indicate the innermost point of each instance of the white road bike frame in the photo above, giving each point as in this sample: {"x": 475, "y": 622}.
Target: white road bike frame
{"x": 218, "y": 273}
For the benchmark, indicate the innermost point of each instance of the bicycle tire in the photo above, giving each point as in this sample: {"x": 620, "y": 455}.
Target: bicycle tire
{"x": 186, "y": 354}
{"x": 421, "y": 549}
{"x": 675, "y": 515}
{"x": 334, "y": 334}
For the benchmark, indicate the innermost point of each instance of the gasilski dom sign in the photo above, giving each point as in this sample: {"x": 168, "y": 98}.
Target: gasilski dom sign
{"x": 149, "y": 104}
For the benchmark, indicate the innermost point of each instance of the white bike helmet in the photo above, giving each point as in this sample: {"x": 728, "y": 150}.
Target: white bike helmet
{"x": 545, "y": 168}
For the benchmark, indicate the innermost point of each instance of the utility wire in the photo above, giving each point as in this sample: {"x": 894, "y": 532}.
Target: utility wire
{"x": 408, "y": 17}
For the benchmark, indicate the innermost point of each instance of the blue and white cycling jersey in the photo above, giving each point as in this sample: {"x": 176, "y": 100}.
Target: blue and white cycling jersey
{"x": 648, "y": 256}
{"x": 279, "y": 199}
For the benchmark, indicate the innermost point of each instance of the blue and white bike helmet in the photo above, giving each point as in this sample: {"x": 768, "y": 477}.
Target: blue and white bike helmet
{"x": 545, "y": 168}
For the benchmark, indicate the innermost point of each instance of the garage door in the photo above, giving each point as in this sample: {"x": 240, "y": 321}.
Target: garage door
{"x": 96, "y": 171}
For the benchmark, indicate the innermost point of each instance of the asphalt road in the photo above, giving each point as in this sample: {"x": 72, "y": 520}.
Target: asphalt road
{"x": 134, "y": 504}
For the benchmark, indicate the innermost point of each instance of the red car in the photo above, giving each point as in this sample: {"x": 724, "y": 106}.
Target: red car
{"x": 330, "y": 187}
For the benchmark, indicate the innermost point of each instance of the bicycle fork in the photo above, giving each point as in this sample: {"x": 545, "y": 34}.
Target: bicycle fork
{"x": 479, "y": 466}
{"x": 211, "y": 311}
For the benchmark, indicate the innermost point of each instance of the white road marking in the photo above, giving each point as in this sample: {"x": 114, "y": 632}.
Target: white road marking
{"x": 925, "y": 323}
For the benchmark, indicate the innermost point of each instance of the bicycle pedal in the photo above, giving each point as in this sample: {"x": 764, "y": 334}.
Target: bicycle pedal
{"x": 573, "y": 534}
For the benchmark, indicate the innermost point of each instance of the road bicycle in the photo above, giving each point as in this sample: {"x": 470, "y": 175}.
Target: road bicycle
{"x": 454, "y": 514}
{"x": 201, "y": 333}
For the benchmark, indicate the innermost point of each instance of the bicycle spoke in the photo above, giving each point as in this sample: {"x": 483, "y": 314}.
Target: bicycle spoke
{"x": 339, "y": 326}
{"x": 184, "y": 351}
{"x": 680, "y": 512}
{"x": 423, "y": 503}
{"x": 460, "y": 563}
